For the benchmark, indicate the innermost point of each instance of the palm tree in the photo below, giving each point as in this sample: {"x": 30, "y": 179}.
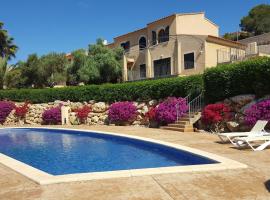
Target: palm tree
{"x": 4, "y": 69}
{"x": 7, "y": 47}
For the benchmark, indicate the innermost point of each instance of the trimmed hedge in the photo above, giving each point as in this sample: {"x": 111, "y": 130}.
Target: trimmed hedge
{"x": 248, "y": 77}
{"x": 131, "y": 91}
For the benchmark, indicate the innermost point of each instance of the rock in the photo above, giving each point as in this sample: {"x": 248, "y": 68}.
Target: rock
{"x": 99, "y": 107}
{"x": 153, "y": 103}
{"x": 140, "y": 106}
{"x": 139, "y": 118}
{"x": 73, "y": 120}
{"x": 136, "y": 123}
{"x": 242, "y": 100}
{"x": 92, "y": 102}
{"x": 66, "y": 103}
{"x": 103, "y": 117}
{"x": 95, "y": 119}
{"x": 144, "y": 110}
{"x": 232, "y": 126}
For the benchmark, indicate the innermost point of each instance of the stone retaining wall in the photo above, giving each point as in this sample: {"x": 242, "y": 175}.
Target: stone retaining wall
{"x": 98, "y": 115}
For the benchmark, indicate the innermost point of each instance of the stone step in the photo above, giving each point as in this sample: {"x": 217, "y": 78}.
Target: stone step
{"x": 182, "y": 122}
{"x": 180, "y": 125}
{"x": 184, "y": 119}
{"x": 177, "y": 129}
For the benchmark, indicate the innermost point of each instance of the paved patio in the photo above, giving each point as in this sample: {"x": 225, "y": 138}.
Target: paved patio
{"x": 250, "y": 183}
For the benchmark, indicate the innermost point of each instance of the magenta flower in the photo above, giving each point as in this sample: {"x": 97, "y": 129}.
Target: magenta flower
{"x": 258, "y": 111}
{"x": 5, "y": 109}
{"x": 121, "y": 112}
{"x": 52, "y": 116}
{"x": 166, "y": 111}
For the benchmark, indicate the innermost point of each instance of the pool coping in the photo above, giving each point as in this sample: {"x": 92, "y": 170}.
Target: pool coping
{"x": 44, "y": 178}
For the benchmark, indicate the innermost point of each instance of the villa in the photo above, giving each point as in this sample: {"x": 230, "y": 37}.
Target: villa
{"x": 176, "y": 45}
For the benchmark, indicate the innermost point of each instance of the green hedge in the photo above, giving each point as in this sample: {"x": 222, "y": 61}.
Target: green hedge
{"x": 140, "y": 90}
{"x": 248, "y": 77}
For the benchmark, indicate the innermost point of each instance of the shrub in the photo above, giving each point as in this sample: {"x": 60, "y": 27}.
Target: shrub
{"x": 122, "y": 112}
{"x": 215, "y": 115}
{"x": 52, "y": 116}
{"x": 5, "y": 109}
{"x": 247, "y": 77}
{"x": 258, "y": 111}
{"x": 166, "y": 111}
{"x": 20, "y": 111}
{"x": 131, "y": 91}
{"x": 82, "y": 113}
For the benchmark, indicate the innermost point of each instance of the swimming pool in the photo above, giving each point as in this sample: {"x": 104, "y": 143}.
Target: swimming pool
{"x": 60, "y": 152}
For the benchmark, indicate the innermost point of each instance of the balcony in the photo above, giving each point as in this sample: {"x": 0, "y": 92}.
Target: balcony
{"x": 232, "y": 54}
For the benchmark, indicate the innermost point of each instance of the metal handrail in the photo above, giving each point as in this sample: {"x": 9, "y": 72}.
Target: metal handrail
{"x": 187, "y": 99}
{"x": 195, "y": 105}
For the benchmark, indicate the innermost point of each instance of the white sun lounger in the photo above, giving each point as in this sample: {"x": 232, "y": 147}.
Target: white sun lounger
{"x": 257, "y": 130}
{"x": 256, "y": 143}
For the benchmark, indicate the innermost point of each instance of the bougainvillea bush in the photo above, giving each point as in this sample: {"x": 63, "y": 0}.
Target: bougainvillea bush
{"x": 166, "y": 111}
{"x": 52, "y": 116}
{"x": 82, "y": 113}
{"x": 20, "y": 111}
{"x": 122, "y": 112}
{"x": 215, "y": 115}
{"x": 5, "y": 109}
{"x": 258, "y": 111}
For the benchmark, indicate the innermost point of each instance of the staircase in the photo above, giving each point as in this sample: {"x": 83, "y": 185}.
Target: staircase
{"x": 185, "y": 123}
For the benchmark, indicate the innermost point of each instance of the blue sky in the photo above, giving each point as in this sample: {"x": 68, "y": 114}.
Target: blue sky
{"x": 42, "y": 26}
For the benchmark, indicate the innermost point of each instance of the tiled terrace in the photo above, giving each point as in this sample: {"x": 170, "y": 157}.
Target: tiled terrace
{"x": 250, "y": 183}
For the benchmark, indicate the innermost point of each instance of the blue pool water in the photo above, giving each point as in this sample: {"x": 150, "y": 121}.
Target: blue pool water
{"x": 67, "y": 152}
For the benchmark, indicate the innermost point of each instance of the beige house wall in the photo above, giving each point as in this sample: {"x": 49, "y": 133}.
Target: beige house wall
{"x": 188, "y": 33}
{"x": 196, "y": 24}
{"x": 211, "y": 53}
{"x": 133, "y": 37}
{"x": 213, "y": 50}
{"x": 194, "y": 44}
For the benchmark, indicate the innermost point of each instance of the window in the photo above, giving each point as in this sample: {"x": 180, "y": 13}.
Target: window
{"x": 162, "y": 67}
{"x": 143, "y": 71}
{"x": 163, "y": 35}
{"x": 154, "y": 38}
{"x": 142, "y": 43}
{"x": 125, "y": 45}
{"x": 189, "y": 61}
{"x": 167, "y": 33}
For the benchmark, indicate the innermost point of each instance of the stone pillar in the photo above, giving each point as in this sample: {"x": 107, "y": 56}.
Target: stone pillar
{"x": 65, "y": 114}
{"x": 124, "y": 70}
{"x": 148, "y": 63}
{"x": 178, "y": 57}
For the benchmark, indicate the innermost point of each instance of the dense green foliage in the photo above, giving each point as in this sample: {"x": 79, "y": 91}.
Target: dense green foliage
{"x": 3, "y": 71}
{"x": 255, "y": 23}
{"x": 248, "y": 77}
{"x": 258, "y": 20}
{"x": 7, "y": 46}
{"x": 141, "y": 90}
{"x": 47, "y": 70}
{"x": 223, "y": 81}
{"x": 99, "y": 65}
{"x": 237, "y": 35}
